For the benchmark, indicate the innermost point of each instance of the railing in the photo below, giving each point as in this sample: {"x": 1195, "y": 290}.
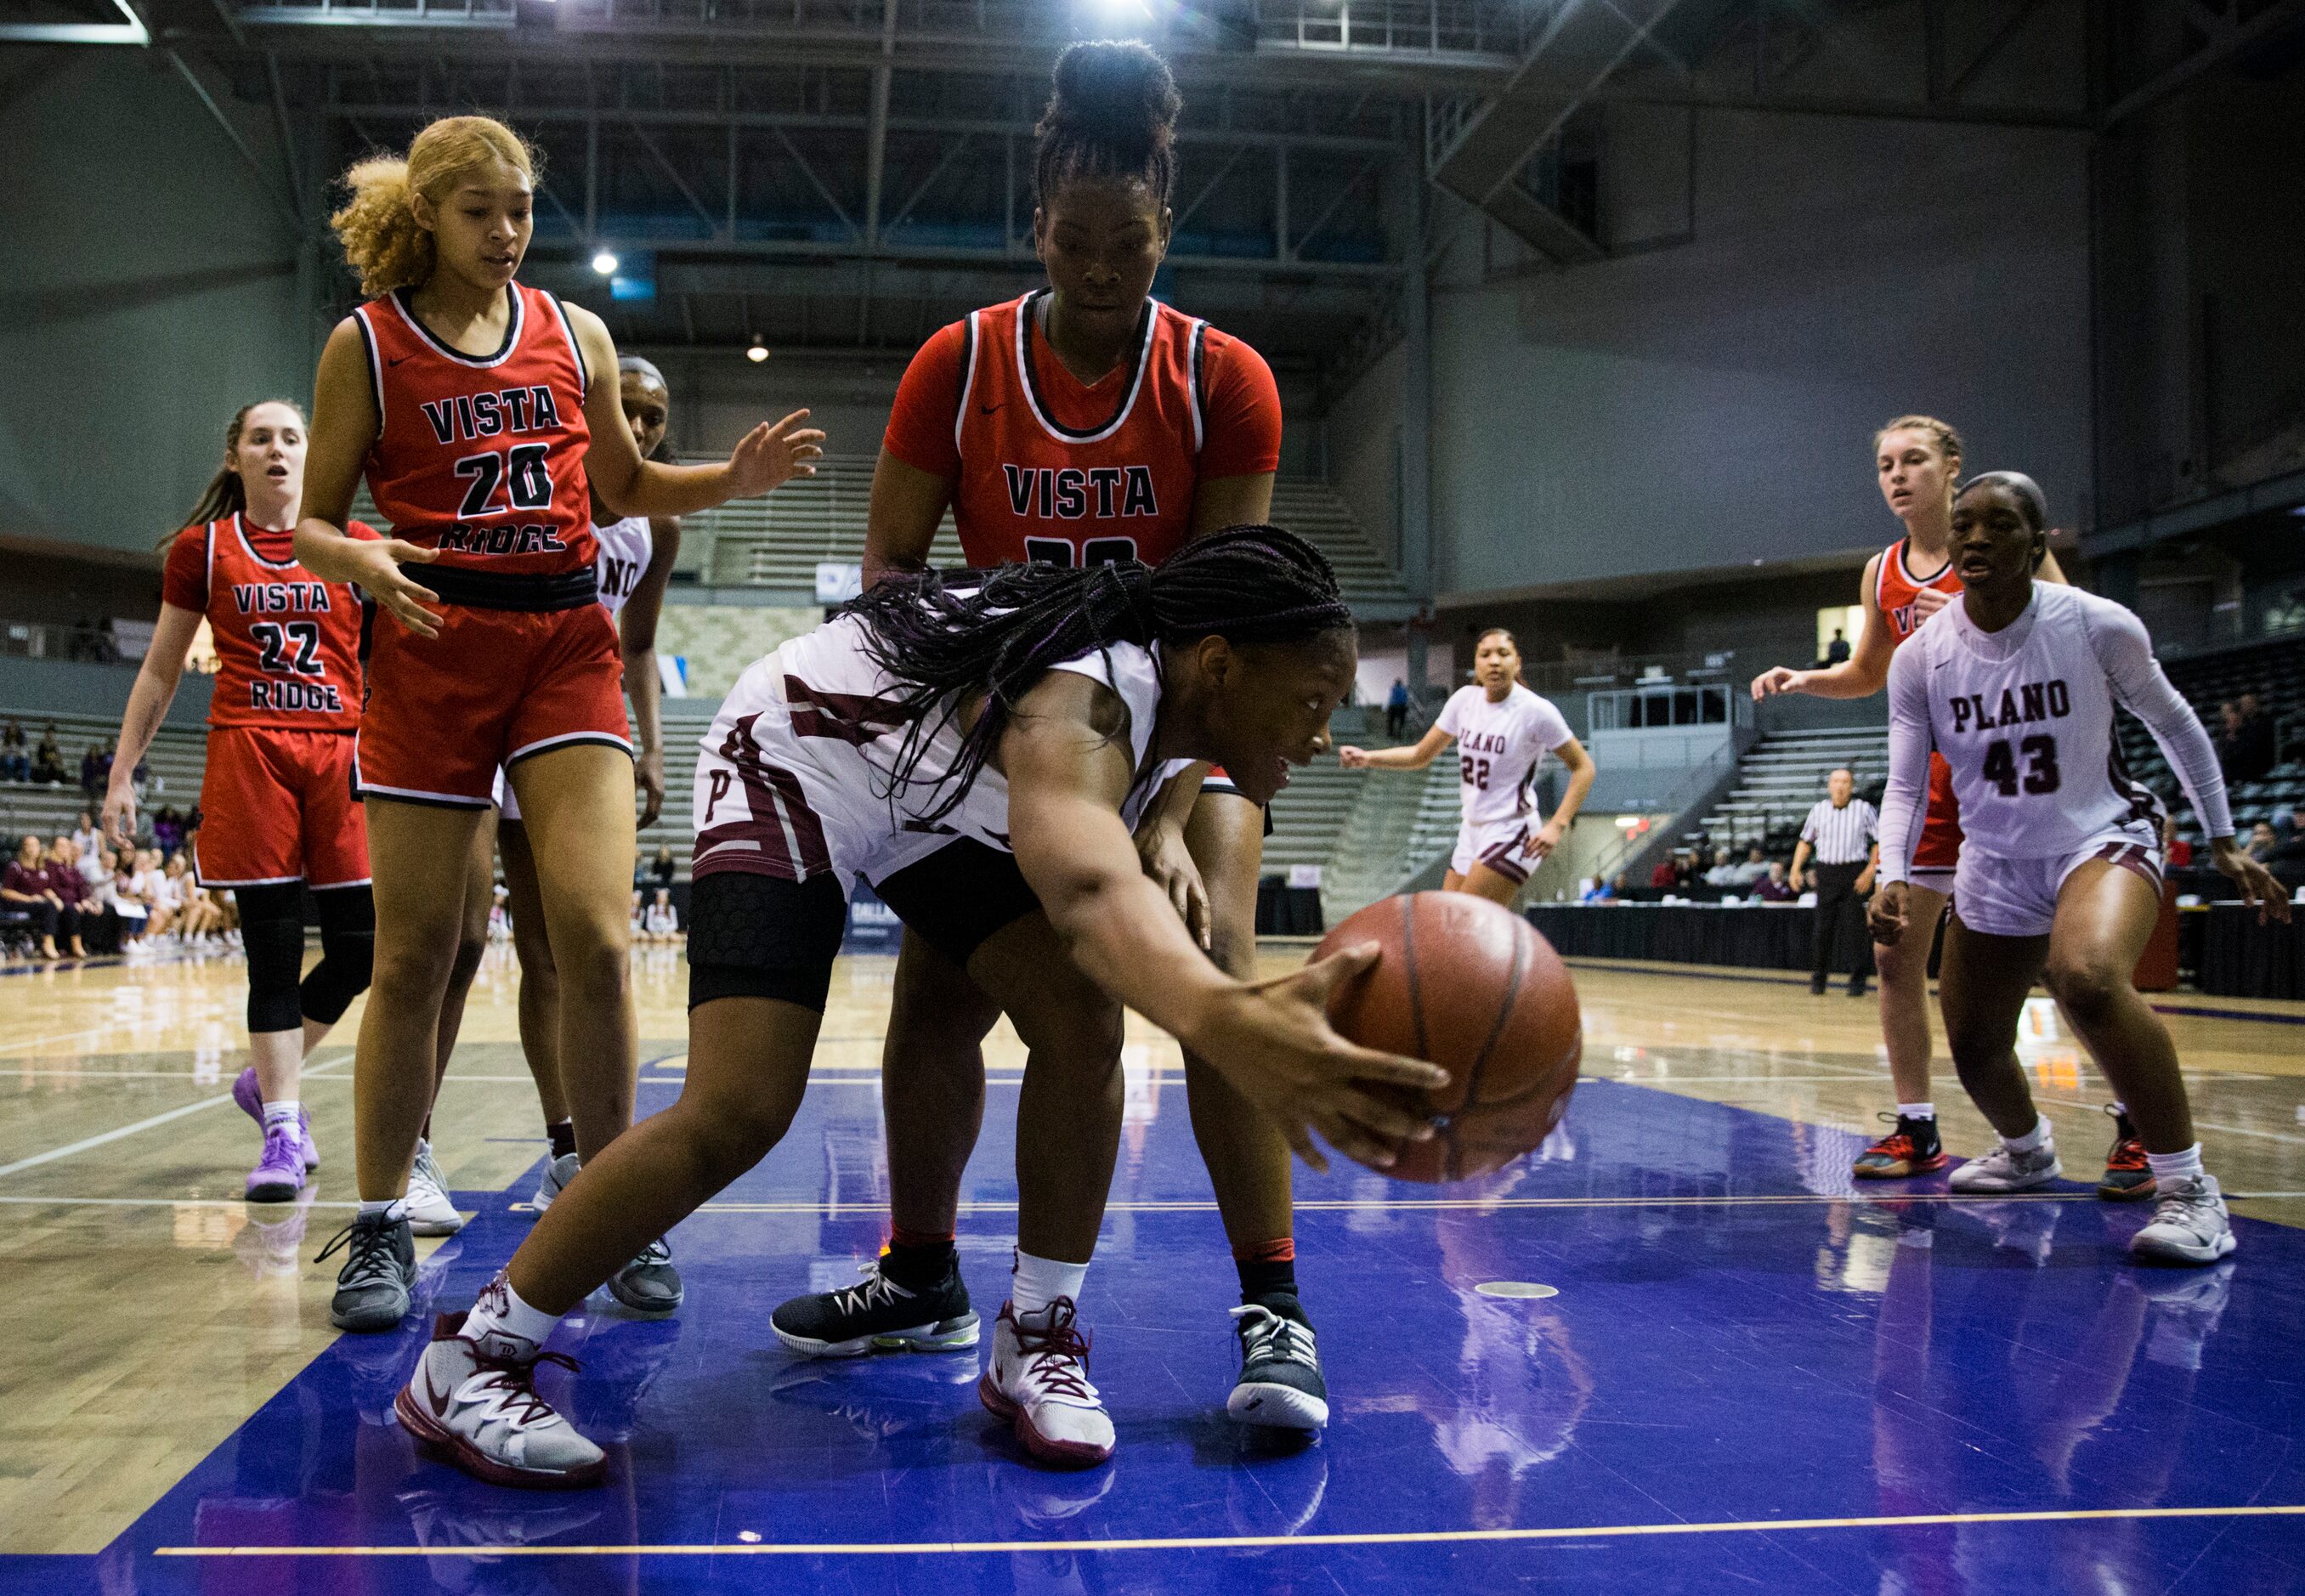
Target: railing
{"x": 1662, "y": 704}
{"x": 1684, "y": 796}
{"x": 88, "y": 645}
{"x": 1653, "y": 670}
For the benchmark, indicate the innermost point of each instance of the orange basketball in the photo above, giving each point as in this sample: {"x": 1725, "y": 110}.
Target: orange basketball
{"x": 1470, "y": 986}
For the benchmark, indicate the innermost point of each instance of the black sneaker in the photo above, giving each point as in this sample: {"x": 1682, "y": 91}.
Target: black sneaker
{"x": 1816, "y": 986}
{"x": 878, "y": 1316}
{"x": 1857, "y": 986}
{"x": 1279, "y": 1384}
{"x": 372, "y": 1288}
{"x": 648, "y": 1284}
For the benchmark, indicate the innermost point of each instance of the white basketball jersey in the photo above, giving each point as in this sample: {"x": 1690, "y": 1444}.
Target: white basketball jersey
{"x": 799, "y": 774}
{"x": 626, "y": 547}
{"x": 1499, "y": 748}
{"x": 2024, "y": 717}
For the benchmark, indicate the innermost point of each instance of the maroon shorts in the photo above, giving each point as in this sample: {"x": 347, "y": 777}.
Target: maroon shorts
{"x": 443, "y": 714}
{"x": 1938, "y": 853}
{"x": 278, "y": 805}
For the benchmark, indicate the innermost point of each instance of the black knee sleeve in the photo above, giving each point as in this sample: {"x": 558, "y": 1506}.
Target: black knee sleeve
{"x": 347, "y": 953}
{"x": 272, "y": 930}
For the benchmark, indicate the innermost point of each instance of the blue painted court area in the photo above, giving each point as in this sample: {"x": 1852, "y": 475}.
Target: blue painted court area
{"x": 1750, "y": 1379}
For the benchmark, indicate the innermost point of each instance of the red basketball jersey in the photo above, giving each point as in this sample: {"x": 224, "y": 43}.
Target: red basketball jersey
{"x": 1896, "y": 586}
{"x": 1031, "y": 486}
{"x": 287, "y": 643}
{"x": 482, "y": 455}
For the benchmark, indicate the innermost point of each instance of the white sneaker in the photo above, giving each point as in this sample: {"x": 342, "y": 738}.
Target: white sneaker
{"x": 558, "y": 1173}
{"x": 1039, "y": 1382}
{"x": 430, "y": 1210}
{"x": 2189, "y": 1225}
{"x": 475, "y": 1402}
{"x": 2002, "y": 1170}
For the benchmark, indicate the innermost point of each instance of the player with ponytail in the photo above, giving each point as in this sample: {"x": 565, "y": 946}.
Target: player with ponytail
{"x": 275, "y": 794}
{"x": 486, "y": 415}
{"x": 1028, "y": 708}
{"x": 1081, "y": 422}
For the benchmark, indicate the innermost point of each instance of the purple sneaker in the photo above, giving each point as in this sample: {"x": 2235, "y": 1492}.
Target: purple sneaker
{"x": 250, "y": 1099}
{"x": 279, "y": 1173}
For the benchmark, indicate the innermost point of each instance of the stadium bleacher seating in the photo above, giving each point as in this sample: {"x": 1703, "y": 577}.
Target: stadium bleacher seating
{"x": 2274, "y": 671}
{"x": 178, "y": 754}
{"x": 1782, "y": 776}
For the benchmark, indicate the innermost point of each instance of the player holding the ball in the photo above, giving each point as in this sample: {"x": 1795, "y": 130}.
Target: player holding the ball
{"x": 1030, "y": 710}
{"x": 1503, "y": 732}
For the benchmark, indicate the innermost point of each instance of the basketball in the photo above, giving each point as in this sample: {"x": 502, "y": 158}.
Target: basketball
{"x": 1472, "y": 987}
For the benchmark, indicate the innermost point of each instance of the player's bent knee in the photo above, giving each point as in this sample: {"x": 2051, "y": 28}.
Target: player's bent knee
{"x": 2085, "y": 986}
{"x": 272, "y": 933}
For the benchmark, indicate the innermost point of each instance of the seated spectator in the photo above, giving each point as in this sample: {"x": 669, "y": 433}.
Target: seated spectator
{"x": 162, "y": 891}
{"x": 24, "y": 892}
{"x": 2261, "y": 842}
{"x": 85, "y": 836}
{"x": 1740, "y": 872}
{"x": 71, "y": 889}
{"x": 48, "y": 758}
{"x": 1773, "y": 888}
{"x": 1663, "y": 874}
{"x": 128, "y": 900}
{"x": 661, "y": 922}
{"x": 1684, "y": 869}
{"x": 2245, "y": 747}
{"x": 1597, "y": 891}
{"x": 2176, "y": 853}
{"x": 167, "y": 829}
{"x": 15, "y": 753}
{"x": 1836, "y": 652}
{"x": 664, "y": 868}
{"x": 91, "y": 773}
{"x": 2288, "y": 857}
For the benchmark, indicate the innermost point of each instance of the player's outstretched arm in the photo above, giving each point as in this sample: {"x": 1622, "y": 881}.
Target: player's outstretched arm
{"x": 1066, "y": 756}
{"x": 1904, "y": 805}
{"x": 768, "y": 456}
{"x": 1862, "y": 675}
{"x": 1415, "y": 757}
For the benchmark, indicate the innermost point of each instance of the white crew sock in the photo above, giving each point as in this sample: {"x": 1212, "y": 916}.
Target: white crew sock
{"x": 282, "y": 1112}
{"x": 1037, "y": 1282}
{"x": 2032, "y": 1140}
{"x": 2169, "y": 1166}
{"x": 501, "y": 1313}
{"x": 397, "y": 1207}
{"x": 1917, "y": 1110}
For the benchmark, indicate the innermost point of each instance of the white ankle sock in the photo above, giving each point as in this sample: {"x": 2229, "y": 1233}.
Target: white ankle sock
{"x": 281, "y": 1112}
{"x": 500, "y": 1311}
{"x": 2040, "y": 1136}
{"x": 1037, "y": 1282}
{"x": 2176, "y": 1166}
{"x": 395, "y": 1206}
{"x": 1917, "y": 1110}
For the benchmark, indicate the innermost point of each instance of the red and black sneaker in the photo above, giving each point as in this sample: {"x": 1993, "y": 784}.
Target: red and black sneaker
{"x": 1911, "y": 1149}
{"x": 2128, "y": 1177}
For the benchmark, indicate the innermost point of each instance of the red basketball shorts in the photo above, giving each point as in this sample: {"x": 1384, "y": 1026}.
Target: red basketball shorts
{"x": 1938, "y": 852}
{"x": 497, "y": 686}
{"x": 278, "y": 805}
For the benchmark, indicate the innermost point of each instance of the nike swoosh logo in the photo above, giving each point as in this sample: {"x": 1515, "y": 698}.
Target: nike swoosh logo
{"x": 988, "y": 408}
{"x": 395, "y": 360}
{"x": 438, "y": 1399}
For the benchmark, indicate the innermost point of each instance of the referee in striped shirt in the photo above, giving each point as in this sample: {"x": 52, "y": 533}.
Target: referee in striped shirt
{"x": 1842, "y": 831}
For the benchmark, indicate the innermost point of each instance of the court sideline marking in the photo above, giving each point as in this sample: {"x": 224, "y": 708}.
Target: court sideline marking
{"x": 157, "y": 1120}
{"x": 1242, "y": 1542}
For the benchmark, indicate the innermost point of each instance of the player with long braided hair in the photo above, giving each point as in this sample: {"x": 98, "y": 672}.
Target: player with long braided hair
{"x": 1029, "y": 708}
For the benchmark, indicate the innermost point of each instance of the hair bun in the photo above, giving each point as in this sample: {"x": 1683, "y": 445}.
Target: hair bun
{"x": 1114, "y": 91}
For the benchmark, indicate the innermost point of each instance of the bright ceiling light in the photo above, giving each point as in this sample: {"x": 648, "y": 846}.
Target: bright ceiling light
{"x": 757, "y": 352}
{"x": 605, "y": 263}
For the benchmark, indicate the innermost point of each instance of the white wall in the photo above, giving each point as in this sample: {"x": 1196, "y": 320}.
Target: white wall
{"x": 148, "y": 289}
{"x": 1713, "y": 404}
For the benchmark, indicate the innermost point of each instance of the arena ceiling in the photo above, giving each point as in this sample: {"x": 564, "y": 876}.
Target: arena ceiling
{"x": 852, "y": 172}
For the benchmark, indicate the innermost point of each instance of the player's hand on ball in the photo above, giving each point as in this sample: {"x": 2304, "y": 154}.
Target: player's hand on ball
{"x": 2261, "y": 888}
{"x": 1161, "y": 847}
{"x": 382, "y": 579}
{"x": 771, "y": 456}
{"x": 1547, "y": 837}
{"x": 1272, "y": 1041}
{"x": 1884, "y": 916}
{"x": 1353, "y": 758}
{"x": 1777, "y": 679}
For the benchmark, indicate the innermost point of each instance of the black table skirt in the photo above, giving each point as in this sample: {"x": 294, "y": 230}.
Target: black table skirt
{"x": 1745, "y": 934}
{"x": 2240, "y": 958}
{"x": 1286, "y": 911}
